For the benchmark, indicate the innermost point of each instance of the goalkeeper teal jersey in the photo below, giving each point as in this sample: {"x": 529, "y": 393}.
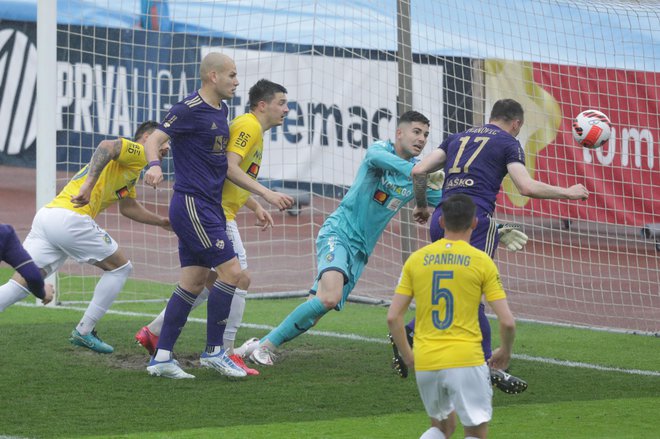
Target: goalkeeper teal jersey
{"x": 383, "y": 185}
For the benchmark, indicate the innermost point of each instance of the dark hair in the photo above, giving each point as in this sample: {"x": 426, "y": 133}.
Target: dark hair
{"x": 264, "y": 90}
{"x": 145, "y": 127}
{"x": 413, "y": 116}
{"x": 458, "y": 211}
{"x": 507, "y": 110}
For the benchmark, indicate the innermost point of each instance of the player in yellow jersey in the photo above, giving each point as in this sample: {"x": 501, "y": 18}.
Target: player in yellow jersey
{"x": 268, "y": 107}
{"x": 447, "y": 279}
{"x": 65, "y": 228}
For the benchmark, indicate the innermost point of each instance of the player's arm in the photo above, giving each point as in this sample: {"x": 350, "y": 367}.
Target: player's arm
{"x": 529, "y": 187}
{"x": 131, "y": 208}
{"x": 264, "y": 219}
{"x": 433, "y": 162}
{"x": 106, "y": 151}
{"x": 152, "y": 145}
{"x": 395, "y": 322}
{"x": 502, "y": 355}
{"x": 237, "y": 176}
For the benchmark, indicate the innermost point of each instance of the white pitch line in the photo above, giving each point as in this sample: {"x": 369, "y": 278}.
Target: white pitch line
{"x": 355, "y": 337}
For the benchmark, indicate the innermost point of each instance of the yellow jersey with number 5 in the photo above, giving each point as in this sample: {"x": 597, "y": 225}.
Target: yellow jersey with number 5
{"x": 245, "y": 139}
{"x": 117, "y": 181}
{"x": 447, "y": 279}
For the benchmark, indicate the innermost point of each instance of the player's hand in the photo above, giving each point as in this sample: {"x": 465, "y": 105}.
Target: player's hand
{"x": 49, "y": 289}
{"x": 83, "y": 197}
{"x": 279, "y": 200}
{"x": 500, "y": 359}
{"x": 153, "y": 176}
{"x": 264, "y": 219}
{"x": 421, "y": 214}
{"x": 578, "y": 192}
{"x": 435, "y": 180}
{"x": 165, "y": 224}
{"x": 512, "y": 237}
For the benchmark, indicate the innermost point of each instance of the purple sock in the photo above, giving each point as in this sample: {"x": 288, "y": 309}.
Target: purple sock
{"x": 217, "y": 310}
{"x": 176, "y": 315}
{"x": 484, "y": 325}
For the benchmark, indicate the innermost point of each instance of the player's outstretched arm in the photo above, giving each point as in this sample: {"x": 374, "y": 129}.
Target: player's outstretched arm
{"x": 395, "y": 314}
{"x": 106, "y": 151}
{"x": 131, "y": 208}
{"x": 237, "y": 176}
{"x": 529, "y": 187}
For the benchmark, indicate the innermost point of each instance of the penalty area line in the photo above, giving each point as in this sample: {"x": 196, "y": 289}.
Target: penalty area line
{"x": 356, "y": 337}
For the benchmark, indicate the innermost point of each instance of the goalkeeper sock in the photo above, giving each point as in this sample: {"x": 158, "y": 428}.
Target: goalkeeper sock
{"x": 300, "y": 320}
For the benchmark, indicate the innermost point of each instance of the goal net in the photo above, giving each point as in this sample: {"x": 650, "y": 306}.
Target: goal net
{"x": 350, "y": 67}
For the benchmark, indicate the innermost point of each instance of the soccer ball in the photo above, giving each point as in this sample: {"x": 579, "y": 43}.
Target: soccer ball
{"x": 591, "y": 129}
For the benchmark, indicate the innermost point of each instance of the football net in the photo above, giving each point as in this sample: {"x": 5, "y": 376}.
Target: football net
{"x": 350, "y": 68}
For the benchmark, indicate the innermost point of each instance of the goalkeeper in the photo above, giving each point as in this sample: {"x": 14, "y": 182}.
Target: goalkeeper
{"x": 475, "y": 162}
{"x": 383, "y": 185}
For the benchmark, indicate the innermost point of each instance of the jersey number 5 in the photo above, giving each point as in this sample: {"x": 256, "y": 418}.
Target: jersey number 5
{"x": 439, "y": 294}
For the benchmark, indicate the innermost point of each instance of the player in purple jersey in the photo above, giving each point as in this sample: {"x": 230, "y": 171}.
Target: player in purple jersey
{"x": 13, "y": 253}
{"x": 198, "y": 132}
{"x": 475, "y": 162}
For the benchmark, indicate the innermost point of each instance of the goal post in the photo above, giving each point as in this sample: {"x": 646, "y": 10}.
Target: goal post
{"x": 587, "y": 263}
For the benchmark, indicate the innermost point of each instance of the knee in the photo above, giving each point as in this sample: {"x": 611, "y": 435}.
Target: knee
{"x": 328, "y": 302}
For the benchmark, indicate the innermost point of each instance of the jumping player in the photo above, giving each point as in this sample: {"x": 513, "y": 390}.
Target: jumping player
{"x": 383, "y": 185}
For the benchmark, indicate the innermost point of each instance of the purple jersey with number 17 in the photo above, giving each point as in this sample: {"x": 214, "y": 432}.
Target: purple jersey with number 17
{"x": 477, "y": 162}
{"x": 199, "y": 134}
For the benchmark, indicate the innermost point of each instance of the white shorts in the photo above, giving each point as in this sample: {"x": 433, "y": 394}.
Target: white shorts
{"x": 464, "y": 389}
{"x": 237, "y": 242}
{"x": 58, "y": 234}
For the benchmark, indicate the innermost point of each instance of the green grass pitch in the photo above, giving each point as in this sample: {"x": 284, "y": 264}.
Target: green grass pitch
{"x": 324, "y": 387}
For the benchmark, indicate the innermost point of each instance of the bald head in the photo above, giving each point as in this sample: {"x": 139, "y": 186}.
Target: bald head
{"x": 219, "y": 77}
{"x": 214, "y": 62}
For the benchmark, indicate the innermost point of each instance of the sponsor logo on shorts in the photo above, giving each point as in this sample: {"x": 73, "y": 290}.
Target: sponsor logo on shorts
{"x": 330, "y": 257}
{"x": 253, "y": 170}
{"x": 220, "y": 244}
{"x": 107, "y": 239}
{"x": 380, "y": 197}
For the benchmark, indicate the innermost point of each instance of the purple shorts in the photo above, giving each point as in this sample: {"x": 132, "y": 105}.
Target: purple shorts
{"x": 484, "y": 237}
{"x": 201, "y": 229}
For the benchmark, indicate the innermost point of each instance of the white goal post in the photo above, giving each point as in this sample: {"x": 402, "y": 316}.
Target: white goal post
{"x": 587, "y": 263}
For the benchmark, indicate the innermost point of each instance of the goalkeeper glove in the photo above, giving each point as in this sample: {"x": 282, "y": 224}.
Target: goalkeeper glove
{"x": 435, "y": 180}
{"x": 512, "y": 237}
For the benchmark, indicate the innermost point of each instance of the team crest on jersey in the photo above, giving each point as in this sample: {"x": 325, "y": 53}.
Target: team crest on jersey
{"x": 330, "y": 257}
{"x": 220, "y": 145}
{"x": 122, "y": 193}
{"x": 380, "y": 197}
{"x": 220, "y": 244}
{"x": 253, "y": 170}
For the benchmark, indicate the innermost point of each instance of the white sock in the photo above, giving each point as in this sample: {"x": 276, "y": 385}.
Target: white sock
{"x": 106, "y": 291}
{"x": 433, "y": 433}
{"x": 156, "y": 324}
{"x": 10, "y": 293}
{"x": 163, "y": 355}
{"x": 234, "y": 320}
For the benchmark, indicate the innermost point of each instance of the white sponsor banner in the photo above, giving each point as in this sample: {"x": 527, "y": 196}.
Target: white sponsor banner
{"x": 339, "y": 106}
